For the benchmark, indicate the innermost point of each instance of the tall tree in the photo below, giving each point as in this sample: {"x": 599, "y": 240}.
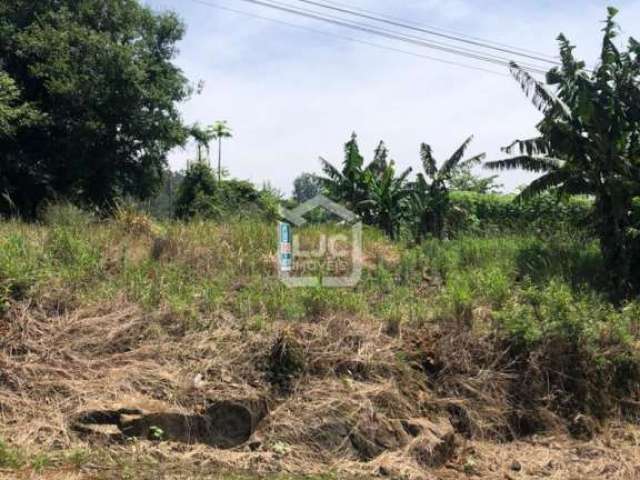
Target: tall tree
{"x": 430, "y": 201}
{"x": 203, "y": 138}
{"x": 589, "y": 143}
{"x": 101, "y": 73}
{"x": 219, "y": 131}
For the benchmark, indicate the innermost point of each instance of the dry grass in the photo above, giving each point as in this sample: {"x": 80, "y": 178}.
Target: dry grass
{"x": 347, "y": 411}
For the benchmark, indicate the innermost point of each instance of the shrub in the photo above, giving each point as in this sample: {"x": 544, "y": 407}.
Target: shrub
{"x": 196, "y": 192}
{"x": 486, "y": 213}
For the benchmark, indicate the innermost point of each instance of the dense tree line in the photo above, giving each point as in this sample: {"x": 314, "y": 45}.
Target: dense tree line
{"x": 88, "y": 101}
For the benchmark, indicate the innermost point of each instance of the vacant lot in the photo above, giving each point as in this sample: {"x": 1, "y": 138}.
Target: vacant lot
{"x": 493, "y": 357}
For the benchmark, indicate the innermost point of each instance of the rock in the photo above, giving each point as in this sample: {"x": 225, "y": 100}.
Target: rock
{"x": 515, "y": 466}
{"x": 435, "y": 446}
{"x": 375, "y": 436}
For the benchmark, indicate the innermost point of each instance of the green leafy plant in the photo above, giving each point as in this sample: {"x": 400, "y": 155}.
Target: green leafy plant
{"x": 430, "y": 202}
{"x": 156, "y": 433}
{"x": 589, "y": 143}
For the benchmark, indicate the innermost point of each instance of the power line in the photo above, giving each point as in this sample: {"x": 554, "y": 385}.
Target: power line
{"x": 351, "y": 39}
{"x": 445, "y": 30}
{"x": 369, "y": 15}
{"x": 392, "y": 36}
{"x": 413, "y": 38}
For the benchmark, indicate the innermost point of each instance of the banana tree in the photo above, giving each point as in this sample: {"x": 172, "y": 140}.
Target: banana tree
{"x": 388, "y": 197}
{"x": 589, "y": 143}
{"x": 347, "y": 185}
{"x": 430, "y": 201}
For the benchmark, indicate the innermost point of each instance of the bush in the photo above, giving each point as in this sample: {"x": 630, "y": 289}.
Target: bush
{"x": 201, "y": 195}
{"x": 492, "y": 213}
{"x": 196, "y": 193}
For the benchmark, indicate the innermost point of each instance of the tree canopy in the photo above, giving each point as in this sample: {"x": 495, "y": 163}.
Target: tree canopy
{"x": 88, "y": 100}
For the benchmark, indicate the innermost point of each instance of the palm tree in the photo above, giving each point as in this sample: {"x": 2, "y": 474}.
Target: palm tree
{"x": 589, "y": 143}
{"x": 430, "y": 197}
{"x": 203, "y": 137}
{"x": 220, "y": 130}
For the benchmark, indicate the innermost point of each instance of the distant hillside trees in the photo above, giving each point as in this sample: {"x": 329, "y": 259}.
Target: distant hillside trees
{"x": 88, "y": 104}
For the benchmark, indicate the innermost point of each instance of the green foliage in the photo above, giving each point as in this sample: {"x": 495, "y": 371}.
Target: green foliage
{"x": 485, "y": 214}
{"x": 589, "y": 143}
{"x": 372, "y": 191}
{"x": 196, "y": 193}
{"x": 219, "y": 131}
{"x": 101, "y": 75}
{"x": 348, "y": 185}
{"x": 430, "y": 202}
{"x": 14, "y": 113}
{"x": 306, "y": 186}
{"x": 463, "y": 179}
{"x": 387, "y": 198}
{"x": 200, "y": 195}
{"x": 10, "y": 458}
{"x": 19, "y": 267}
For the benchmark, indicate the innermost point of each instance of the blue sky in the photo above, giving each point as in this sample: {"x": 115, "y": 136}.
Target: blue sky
{"x": 292, "y": 95}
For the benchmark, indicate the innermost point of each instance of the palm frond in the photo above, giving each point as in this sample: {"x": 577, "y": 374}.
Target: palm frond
{"x": 530, "y": 147}
{"x": 402, "y": 178}
{"x": 330, "y": 171}
{"x": 542, "y": 99}
{"x": 470, "y": 162}
{"x": 526, "y": 162}
{"x": 576, "y": 186}
{"x": 450, "y": 164}
{"x": 428, "y": 162}
{"x": 542, "y": 184}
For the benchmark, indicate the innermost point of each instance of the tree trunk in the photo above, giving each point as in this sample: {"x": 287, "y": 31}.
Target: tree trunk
{"x": 613, "y": 218}
{"x": 219, "y": 159}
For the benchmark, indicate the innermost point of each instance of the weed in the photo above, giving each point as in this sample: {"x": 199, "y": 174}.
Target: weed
{"x": 10, "y": 457}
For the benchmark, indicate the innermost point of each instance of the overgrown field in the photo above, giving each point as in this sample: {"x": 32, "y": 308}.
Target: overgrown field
{"x": 444, "y": 354}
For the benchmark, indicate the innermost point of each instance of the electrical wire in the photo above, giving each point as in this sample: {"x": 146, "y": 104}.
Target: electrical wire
{"x": 350, "y": 39}
{"x": 432, "y": 44}
{"x": 444, "y": 30}
{"x": 392, "y": 36}
{"x": 362, "y": 13}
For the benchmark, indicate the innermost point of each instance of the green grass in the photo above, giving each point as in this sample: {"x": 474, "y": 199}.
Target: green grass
{"x": 210, "y": 268}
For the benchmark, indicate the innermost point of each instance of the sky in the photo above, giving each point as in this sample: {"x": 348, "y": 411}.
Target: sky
{"x": 291, "y": 95}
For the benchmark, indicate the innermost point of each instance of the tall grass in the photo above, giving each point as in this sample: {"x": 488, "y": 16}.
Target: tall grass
{"x": 201, "y": 269}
